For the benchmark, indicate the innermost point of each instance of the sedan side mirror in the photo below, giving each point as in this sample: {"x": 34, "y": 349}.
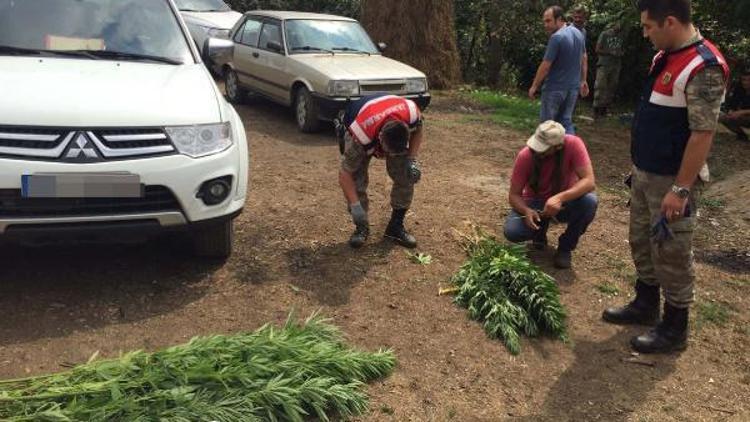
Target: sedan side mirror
{"x": 275, "y": 47}
{"x": 217, "y": 51}
{"x": 382, "y": 46}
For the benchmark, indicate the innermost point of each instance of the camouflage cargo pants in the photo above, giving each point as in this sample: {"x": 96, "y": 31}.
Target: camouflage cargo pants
{"x": 669, "y": 265}
{"x": 605, "y": 87}
{"x": 357, "y": 161}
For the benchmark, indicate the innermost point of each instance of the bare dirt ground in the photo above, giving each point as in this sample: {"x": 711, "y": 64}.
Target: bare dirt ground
{"x": 60, "y": 305}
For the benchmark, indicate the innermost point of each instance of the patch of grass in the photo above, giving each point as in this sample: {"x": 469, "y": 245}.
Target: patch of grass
{"x": 420, "y": 258}
{"x": 620, "y": 269}
{"x": 608, "y": 289}
{"x": 452, "y": 413}
{"x": 738, "y": 282}
{"x": 712, "y": 313}
{"x": 515, "y": 112}
{"x": 712, "y": 203}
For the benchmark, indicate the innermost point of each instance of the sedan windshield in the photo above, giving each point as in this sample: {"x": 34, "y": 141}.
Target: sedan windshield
{"x": 202, "y": 5}
{"x": 316, "y": 36}
{"x": 125, "y": 29}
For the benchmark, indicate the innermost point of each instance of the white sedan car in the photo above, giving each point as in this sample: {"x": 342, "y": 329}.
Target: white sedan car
{"x": 314, "y": 63}
{"x": 207, "y": 19}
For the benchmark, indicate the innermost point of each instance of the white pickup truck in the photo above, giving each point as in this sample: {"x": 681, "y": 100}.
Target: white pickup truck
{"x": 111, "y": 126}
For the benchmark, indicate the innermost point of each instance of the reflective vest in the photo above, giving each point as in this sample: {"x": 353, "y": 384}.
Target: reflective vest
{"x": 365, "y": 117}
{"x": 661, "y": 128}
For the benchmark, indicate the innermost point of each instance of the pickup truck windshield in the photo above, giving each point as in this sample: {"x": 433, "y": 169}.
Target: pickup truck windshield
{"x": 124, "y": 29}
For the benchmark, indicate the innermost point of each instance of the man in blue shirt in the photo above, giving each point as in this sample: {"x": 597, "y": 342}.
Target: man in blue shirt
{"x": 563, "y": 70}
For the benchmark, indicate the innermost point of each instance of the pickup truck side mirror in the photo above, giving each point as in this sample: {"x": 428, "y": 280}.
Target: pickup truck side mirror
{"x": 382, "y": 46}
{"x": 275, "y": 47}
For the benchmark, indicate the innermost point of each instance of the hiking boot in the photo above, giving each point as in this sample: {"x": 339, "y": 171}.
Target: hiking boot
{"x": 397, "y": 232}
{"x": 563, "y": 259}
{"x": 359, "y": 237}
{"x": 643, "y": 310}
{"x": 669, "y": 336}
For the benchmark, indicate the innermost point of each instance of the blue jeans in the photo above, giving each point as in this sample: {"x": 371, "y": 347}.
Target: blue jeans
{"x": 559, "y": 106}
{"x": 578, "y": 213}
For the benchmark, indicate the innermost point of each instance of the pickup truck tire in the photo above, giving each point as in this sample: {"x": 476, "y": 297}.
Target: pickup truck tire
{"x": 306, "y": 111}
{"x": 213, "y": 241}
{"x": 236, "y": 94}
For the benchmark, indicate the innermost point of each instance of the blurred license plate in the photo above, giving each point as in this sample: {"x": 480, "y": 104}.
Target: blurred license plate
{"x": 81, "y": 185}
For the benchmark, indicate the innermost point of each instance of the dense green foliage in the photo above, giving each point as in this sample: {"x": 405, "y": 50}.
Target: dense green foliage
{"x": 502, "y": 41}
{"x": 271, "y": 374}
{"x": 508, "y": 294}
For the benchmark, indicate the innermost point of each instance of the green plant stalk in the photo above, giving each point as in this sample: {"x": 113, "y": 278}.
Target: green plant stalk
{"x": 291, "y": 373}
{"x": 508, "y": 294}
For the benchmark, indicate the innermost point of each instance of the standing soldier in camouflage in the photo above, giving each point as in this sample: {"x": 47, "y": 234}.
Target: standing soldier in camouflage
{"x": 672, "y": 134}
{"x": 386, "y": 127}
{"x": 609, "y": 49}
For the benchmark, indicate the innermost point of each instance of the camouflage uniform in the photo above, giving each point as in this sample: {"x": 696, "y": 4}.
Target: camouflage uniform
{"x": 608, "y": 66}
{"x": 670, "y": 264}
{"x": 356, "y": 161}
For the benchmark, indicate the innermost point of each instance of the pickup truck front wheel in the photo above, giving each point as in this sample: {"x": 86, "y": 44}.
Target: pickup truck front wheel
{"x": 214, "y": 240}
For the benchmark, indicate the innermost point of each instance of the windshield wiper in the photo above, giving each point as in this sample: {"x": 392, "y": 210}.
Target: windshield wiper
{"x": 106, "y": 54}
{"x": 352, "y": 50}
{"x": 8, "y": 49}
{"x": 310, "y": 48}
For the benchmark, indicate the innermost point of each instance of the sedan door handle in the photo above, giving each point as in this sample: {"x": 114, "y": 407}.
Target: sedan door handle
{"x": 256, "y": 55}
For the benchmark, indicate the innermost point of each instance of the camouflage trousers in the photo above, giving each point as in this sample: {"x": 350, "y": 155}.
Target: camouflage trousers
{"x": 402, "y": 191}
{"x": 605, "y": 87}
{"x": 670, "y": 264}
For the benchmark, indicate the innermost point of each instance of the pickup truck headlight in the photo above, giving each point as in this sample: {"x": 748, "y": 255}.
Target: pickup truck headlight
{"x": 201, "y": 140}
{"x": 343, "y": 88}
{"x": 416, "y": 85}
{"x": 218, "y": 33}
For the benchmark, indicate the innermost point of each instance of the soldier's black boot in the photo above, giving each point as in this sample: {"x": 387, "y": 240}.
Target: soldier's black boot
{"x": 669, "y": 336}
{"x": 644, "y": 309}
{"x": 397, "y": 232}
{"x": 359, "y": 237}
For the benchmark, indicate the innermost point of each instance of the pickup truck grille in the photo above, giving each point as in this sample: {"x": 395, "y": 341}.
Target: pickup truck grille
{"x": 155, "y": 199}
{"x": 83, "y": 146}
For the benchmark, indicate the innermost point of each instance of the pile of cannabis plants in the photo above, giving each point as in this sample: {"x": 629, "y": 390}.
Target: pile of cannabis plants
{"x": 301, "y": 370}
{"x": 508, "y": 294}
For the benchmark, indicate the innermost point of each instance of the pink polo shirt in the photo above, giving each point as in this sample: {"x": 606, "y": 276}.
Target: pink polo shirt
{"x": 575, "y": 156}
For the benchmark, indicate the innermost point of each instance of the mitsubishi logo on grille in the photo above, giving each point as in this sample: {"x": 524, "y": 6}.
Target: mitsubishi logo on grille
{"x": 82, "y": 149}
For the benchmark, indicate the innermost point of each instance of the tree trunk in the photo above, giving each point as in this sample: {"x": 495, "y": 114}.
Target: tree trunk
{"x": 420, "y": 33}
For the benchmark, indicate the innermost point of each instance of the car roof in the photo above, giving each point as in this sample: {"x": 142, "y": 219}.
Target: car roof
{"x": 287, "y": 15}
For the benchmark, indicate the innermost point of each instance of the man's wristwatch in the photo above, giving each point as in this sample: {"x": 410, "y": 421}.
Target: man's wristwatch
{"x": 681, "y": 192}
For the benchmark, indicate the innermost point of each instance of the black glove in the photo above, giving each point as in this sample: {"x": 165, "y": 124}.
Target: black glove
{"x": 414, "y": 173}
